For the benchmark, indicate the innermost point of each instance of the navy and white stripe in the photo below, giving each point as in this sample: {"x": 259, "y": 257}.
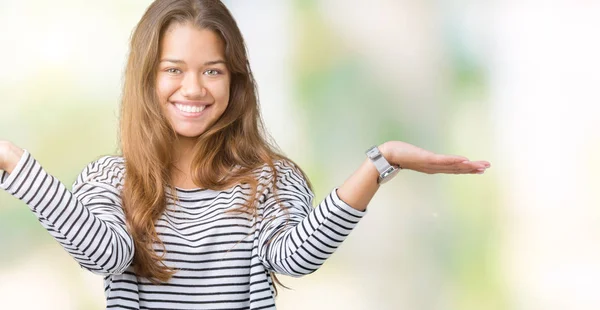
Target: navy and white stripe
{"x": 222, "y": 257}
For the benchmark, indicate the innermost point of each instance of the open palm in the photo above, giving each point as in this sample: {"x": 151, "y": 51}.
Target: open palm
{"x": 415, "y": 158}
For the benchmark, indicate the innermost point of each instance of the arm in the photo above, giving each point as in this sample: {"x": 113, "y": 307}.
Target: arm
{"x": 358, "y": 190}
{"x": 295, "y": 239}
{"x": 89, "y": 222}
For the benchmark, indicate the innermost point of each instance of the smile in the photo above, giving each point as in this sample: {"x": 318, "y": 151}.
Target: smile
{"x": 189, "y": 108}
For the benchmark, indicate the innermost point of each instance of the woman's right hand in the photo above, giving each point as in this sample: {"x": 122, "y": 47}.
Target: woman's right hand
{"x": 10, "y": 155}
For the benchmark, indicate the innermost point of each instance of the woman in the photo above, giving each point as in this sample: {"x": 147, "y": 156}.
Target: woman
{"x": 199, "y": 211}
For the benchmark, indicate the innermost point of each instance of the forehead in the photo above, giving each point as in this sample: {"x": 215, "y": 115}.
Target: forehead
{"x": 191, "y": 44}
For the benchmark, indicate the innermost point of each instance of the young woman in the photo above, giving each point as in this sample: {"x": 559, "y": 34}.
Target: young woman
{"x": 200, "y": 211}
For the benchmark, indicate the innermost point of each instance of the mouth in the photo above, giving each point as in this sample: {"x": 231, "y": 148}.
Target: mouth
{"x": 190, "y": 109}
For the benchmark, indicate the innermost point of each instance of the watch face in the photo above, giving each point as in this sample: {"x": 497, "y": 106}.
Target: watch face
{"x": 388, "y": 175}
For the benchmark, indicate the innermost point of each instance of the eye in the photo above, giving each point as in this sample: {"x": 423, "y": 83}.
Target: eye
{"x": 212, "y": 72}
{"x": 173, "y": 71}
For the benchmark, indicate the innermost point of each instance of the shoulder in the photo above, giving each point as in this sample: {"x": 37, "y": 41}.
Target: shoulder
{"x": 281, "y": 166}
{"x": 286, "y": 173}
{"x": 108, "y": 170}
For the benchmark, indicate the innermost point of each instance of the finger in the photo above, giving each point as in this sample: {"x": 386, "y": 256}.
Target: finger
{"x": 457, "y": 158}
{"x": 445, "y": 160}
{"x": 450, "y": 164}
{"x": 482, "y": 162}
{"x": 474, "y": 171}
{"x": 449, "y": 171}
{"x": 458, "y": 170}
{"x": 462, "y": 167}
{"x": 476, "y": 166}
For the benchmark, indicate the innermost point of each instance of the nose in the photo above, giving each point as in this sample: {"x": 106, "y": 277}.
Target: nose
{"x": 191, "y": 87}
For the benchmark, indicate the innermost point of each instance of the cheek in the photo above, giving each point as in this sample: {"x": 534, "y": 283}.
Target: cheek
{"x": 164, "y": 88}
{"x": 221, "y": 92}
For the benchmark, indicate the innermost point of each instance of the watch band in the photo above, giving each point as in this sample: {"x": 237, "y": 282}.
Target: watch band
{"x": 386, "y": 171}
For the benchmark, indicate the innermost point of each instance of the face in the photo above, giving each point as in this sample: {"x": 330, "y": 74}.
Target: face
{"x": 192, "y": 81}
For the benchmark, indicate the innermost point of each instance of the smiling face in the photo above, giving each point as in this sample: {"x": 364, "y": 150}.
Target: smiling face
{"x": 192, "y": 82}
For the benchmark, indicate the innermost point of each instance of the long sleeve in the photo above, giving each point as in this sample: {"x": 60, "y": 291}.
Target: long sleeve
{"x": 294, "y": 238}
{"x": 88, "y": 222}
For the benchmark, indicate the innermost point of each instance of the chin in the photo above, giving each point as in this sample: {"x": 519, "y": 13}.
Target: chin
{"x": 189, "y": 133}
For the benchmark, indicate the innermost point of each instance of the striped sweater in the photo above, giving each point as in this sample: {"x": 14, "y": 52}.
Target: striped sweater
{"x": 223, "y": 259}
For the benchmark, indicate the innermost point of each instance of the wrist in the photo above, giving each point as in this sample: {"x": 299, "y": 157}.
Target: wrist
{"x": 383, "y": 148}
{"x": 377, "y": 155}
{"x": 13, "y": 155}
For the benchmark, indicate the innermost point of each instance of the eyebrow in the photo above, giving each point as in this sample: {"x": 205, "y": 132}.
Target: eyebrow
{"x": 208, "y": 63}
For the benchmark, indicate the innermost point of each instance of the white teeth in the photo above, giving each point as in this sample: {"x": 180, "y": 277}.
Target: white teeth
{"x": 189, "y": 108}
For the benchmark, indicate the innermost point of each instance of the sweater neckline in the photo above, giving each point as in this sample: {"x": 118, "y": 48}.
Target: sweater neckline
{"x": 189, "y": 190}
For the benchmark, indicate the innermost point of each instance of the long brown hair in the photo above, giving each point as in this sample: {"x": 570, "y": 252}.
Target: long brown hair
{"x": 237, "y": 139}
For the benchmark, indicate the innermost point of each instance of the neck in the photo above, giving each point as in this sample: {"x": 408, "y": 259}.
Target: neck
{"x": 183, "y": 151}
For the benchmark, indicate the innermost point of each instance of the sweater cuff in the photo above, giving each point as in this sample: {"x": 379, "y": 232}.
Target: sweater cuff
{"x": 11, "y": 182}
{"x": 348, "y": 212}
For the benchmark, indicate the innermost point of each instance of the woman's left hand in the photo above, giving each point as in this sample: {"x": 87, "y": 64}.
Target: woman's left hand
{"x": 414, "y": 158}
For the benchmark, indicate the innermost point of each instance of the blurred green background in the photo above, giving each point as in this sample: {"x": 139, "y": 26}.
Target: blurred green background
{"x": 512, "y": 83}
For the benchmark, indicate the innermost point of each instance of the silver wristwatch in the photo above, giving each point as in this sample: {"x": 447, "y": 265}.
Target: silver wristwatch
{"x": 386, "y": 171}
